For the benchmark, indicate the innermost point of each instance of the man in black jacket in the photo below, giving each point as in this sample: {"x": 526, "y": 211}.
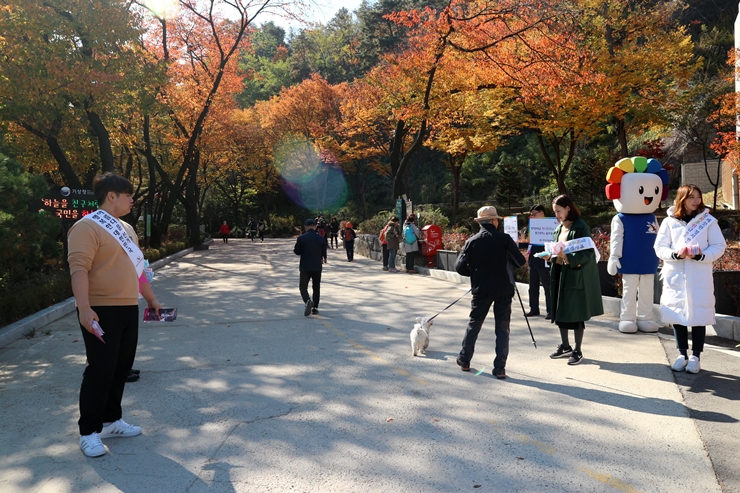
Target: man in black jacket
{"x": 489, "y": 258}
{"x": 311, "y": 246}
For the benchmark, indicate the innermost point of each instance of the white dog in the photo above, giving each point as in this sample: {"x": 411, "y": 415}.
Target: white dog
{"x": 420, "y": 336}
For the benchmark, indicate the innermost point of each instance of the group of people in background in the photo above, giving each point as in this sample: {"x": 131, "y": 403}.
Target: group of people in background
{"x": 255, "y": 228}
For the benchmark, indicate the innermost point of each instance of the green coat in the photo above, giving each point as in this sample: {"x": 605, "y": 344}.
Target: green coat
{"x": 575, "y": 288}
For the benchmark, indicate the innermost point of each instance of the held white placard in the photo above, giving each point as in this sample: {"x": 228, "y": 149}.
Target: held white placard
{"x": 541, "y": 230}
{"x": 510, "y": 228}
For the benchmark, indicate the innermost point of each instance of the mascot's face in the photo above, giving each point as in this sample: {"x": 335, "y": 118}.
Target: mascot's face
{"x": 639, "y": 193}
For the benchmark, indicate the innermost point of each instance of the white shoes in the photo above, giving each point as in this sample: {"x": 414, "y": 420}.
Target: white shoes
{"x": 680, "y": 363}
{"x": 120, "y": 429}
{"x": 693, "y": 365}
{"x": 91, "y": 445}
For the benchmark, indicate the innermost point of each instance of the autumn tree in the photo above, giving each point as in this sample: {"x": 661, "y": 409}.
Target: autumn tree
{"x": 198, "y": 47}
{"x": 70, "y": 74}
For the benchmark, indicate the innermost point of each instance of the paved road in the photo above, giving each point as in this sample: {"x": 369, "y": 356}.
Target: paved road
{"x": 244, "y": 394}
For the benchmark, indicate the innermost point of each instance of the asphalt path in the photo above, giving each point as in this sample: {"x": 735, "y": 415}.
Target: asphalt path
{"x": 244, "y": 394}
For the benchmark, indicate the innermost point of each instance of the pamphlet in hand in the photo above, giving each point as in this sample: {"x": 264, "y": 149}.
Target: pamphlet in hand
{"x": 97, "y": 331}
{"x": 165, "y": 315}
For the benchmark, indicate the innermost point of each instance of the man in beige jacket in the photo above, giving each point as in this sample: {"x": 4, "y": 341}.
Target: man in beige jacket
{"x": 104, "y": 262}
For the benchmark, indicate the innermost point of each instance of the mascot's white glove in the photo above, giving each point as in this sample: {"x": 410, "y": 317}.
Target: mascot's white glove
{"x": 612, "y": 265}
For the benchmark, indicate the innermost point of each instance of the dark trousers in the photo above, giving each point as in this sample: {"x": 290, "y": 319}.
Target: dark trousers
{"x": 350, "y": 247}
{"x": 252, "y": 234}
{"x": 385, "y": 255}
{"x": 225, "y": 236}
{"x": 108, "y": 365}
{"x": 502, "y": 315}
{"x": 262, "y": 235}
{"x": 538, "y": 275}
{"x": 334, "y": 240}
{"x": 410, "y": 257}
{"x": 315, "y": 277}
{"x": 698, "y": 334}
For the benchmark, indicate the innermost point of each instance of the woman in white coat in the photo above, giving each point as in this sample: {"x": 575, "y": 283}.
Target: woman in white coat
{"x": 688, "y": 241}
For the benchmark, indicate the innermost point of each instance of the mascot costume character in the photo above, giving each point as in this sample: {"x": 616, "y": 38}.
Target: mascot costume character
{"x": 636, "y": 185}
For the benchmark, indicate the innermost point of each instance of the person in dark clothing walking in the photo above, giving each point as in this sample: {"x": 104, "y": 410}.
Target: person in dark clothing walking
{"x": 334, "y": 233}
{"x": 261, "y": 229}
{"x": 539, "y": 273}
{"x": 489, "y": 258}
{"x": 312, "y": 248}
{"x": 252, "y": 228}
{"x": 349, "y": 241}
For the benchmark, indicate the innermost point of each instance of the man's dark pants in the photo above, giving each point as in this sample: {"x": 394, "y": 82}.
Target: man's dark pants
{"x": 502, "y": 315}
{"x": 315, "y": 277}
{"x": 350, "y": 247}
{"x": 538, "y": 274}
{"x": 108, "y": 365}
{"x": 385, "y": 255}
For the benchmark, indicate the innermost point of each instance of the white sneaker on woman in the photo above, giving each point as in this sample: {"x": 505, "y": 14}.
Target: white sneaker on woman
{"x": 680, "y": 363}
{"x": 693, "y": 365}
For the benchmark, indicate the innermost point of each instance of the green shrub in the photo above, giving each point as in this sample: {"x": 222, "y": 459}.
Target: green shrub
{"x": 430, "y": 215}
{"x": 36, "y": 293}
{"x": 282, "y": 226}
{"x": 373, "y": 225}
{"x": 162, "y": 252}
{"x": 30, "y": 240}
{"x": 151, "y": 254}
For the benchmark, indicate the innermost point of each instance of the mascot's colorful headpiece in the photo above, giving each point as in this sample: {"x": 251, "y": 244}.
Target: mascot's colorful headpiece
{"x": 637, "y": 164}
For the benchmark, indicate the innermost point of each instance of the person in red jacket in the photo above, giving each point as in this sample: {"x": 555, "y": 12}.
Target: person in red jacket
{"x": 225, "y": 232}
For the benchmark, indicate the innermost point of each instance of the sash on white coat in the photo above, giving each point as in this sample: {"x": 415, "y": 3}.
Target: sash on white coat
{"x": 115, "y": 228}
{"x": 695, "y": 227}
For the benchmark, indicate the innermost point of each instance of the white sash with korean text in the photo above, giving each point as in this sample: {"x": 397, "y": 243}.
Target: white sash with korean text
{"x": 576, "y": 245}
{"x": 115, "y": 228}
{"x": 695, "y": 227}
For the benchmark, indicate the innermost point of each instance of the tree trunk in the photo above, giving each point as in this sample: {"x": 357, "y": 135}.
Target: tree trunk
{"x": 622, "y": 137}
{"x": 104, "y": 146}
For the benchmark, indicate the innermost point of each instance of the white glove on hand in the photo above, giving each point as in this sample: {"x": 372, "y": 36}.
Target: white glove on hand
{"x": 612, "y": 265}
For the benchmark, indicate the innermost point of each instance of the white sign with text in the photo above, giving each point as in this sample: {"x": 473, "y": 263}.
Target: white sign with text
{"x": 541, "y": 230}
{"x": 510, "y": 228}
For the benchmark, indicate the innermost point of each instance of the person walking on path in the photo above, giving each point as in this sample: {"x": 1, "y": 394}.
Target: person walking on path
{"x": 261, "y": 229}
{"x": 106, "y": 267}
{"x": 574, "y": 281}
{"x": 334, "y": 233}
{"x": 349, "y": 241}
{"x": 411, "y": 235}
{"x": 392, "y": 237}
{"x": 384, "y": 245}
{"x": 225, "y": 231}
{"x": 252, "y": 228}
{"x": 539, "y": 273}
{"x": 312, "y": 249}
{"x": 489, "y": 259}
{"x": 688, "y": 241}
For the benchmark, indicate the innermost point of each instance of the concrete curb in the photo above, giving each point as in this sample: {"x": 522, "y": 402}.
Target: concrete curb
{"x": 25, "y": 326}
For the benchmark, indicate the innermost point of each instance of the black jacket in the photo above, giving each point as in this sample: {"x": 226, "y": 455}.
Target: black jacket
{"x": 489, "y": 258}
{"x": 311, "y": 246}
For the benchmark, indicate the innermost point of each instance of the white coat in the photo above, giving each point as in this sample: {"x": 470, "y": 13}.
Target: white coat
{"x": 688, "y": 287}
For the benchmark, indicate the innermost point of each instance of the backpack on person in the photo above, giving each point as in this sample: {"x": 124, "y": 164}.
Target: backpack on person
{"x": 382, "y": 236}
{"x": 348, "y": 236}
{"x": 408, "y": 234}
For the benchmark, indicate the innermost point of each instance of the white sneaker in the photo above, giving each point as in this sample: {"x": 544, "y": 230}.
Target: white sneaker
{"x": 694, "y": 365}
{"x": 680, "y": 363}
{"x": 91, "y": 445}
{"x": 120, "y": 429}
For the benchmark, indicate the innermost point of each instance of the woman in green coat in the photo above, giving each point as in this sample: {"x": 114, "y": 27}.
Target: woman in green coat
{"x": 574, "y": 281}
